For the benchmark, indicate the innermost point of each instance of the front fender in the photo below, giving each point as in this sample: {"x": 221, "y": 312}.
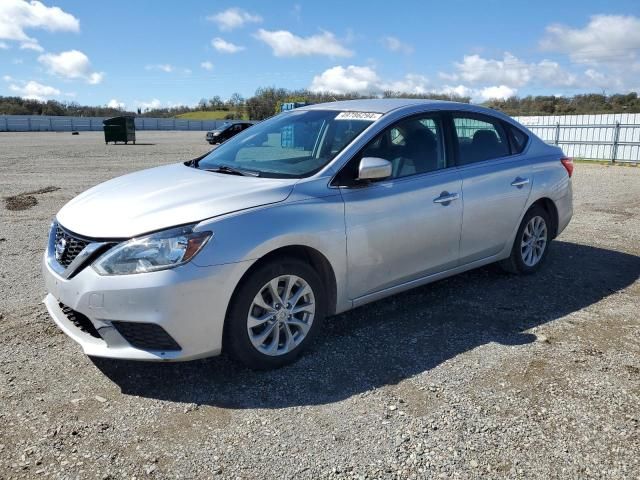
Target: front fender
{"x": 316, "y": 222}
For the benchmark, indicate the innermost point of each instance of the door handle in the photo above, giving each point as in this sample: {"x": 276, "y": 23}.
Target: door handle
{"x": 519, "y": 182}
{"x": 445, "y": 198}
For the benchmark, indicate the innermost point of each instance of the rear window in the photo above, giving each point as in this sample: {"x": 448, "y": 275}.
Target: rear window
{"x": 479, "y": 138}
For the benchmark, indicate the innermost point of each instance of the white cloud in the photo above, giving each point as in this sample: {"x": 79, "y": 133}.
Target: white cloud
{"x": 16, "y": 16}
{"x": 71, "y": 64}
{"x": 286, "y": 44}
{"x": 605, "y": 39}
{"x": 34, "y": 90}
{"x": 510, "y": 71}
{"x": 395, "y": 45}
{"x": 549, "y": 73}
{"x": 113, "y": 103}
{"x": 95, "y": 78}
{"x": 167, "y": 68}
{"x": 31, "y": 45}
{"x": 500, "y": 92}
{"x": 458, "y": 90}
{"x": 478, "y": 95}
{"x": 346, "y": 80}
{"x": 207, "y": 65}
{"x": 475, "y": 69}
{"x": 361, "y": 79}
{"x": 603, "y": 81}
{"x": 7, "y": 78}
{"x": 411, "y": 83}
{"x": 233, "y": 18}
{"x": 223, "y": 46}
{"x": 163, "y": 67}
{"x": 4, "y": 46}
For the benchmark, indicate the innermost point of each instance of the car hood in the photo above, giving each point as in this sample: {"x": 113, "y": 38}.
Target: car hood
{"x": 163, "y": 197}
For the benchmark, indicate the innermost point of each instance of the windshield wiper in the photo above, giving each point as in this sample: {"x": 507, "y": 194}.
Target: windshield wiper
{"x": 232, "y": 171}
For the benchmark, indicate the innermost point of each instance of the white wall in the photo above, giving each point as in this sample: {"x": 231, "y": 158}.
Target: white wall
{"x": 590, "y": 136}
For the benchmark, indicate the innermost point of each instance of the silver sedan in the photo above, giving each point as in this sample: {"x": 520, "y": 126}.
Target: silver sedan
{"x": 310, "y": 213}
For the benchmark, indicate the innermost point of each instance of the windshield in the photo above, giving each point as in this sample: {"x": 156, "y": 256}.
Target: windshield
{"x": 293, "y": 144}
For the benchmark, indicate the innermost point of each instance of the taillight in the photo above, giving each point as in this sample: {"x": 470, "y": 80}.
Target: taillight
{"x": 567, "y": 162}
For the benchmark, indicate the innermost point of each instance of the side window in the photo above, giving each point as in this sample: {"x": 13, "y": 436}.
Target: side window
{"x": 519, "y": 139}
{"x": 412, "y": 146}
{"x": 479, "y": 138}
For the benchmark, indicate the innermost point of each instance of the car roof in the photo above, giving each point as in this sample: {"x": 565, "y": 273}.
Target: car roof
{"x": 386, "y": 105}
{"x": 378, "y": 105}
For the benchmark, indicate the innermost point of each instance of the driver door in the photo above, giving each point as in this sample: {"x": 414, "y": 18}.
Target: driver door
{"x": 407, "y": 226}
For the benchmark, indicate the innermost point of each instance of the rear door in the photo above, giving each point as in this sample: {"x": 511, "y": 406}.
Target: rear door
{"x": 496, "y": 182}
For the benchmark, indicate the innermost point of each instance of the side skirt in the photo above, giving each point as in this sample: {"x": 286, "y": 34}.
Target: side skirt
{"x": 372, "y": 297}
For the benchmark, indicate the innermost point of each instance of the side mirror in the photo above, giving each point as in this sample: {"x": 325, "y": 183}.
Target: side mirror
{"x": 373, "y": 168}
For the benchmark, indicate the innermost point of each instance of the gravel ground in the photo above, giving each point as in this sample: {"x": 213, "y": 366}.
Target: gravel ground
{"x": 483, "y": 374}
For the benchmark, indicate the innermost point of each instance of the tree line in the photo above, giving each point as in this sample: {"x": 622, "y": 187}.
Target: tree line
{"x": 268, "y": 100}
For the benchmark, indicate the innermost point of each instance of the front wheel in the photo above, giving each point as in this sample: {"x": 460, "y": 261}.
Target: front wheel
{"x": 531, "y": 244}
{"x": 275, "y": 314}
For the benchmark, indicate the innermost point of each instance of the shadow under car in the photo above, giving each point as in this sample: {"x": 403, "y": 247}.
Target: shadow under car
{"x": 395, "y": 338}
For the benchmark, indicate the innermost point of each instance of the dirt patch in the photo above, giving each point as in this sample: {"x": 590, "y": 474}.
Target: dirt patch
{"x": 20, "y": 202}
{"x": 26, "y": 200}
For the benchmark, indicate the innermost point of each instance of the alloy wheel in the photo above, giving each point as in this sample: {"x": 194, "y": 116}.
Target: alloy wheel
{"x": 534, "y": 241}
{"x": 281, "y": 315}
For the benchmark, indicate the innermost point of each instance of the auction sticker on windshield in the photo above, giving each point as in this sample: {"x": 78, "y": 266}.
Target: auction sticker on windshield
{"x": 358, "y": 116}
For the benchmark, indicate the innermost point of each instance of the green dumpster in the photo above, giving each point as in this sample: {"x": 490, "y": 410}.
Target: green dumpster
{"x": 119, "y": 129}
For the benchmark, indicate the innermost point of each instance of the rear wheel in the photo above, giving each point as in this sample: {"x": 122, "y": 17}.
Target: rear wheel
{"x": 275, "y": 314}
{"x": 531, "y": 244}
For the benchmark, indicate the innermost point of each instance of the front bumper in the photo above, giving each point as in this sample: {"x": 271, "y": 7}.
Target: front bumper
{"x": 188, "y": 302}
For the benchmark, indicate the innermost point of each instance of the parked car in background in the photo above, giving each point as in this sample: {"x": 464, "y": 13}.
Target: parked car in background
{"x": 310, "y": 213}
{"x": 226, "y": 132}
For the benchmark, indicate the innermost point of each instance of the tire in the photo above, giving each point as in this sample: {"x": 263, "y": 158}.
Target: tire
{"x": 291, "y": 331}
{"x": 520, "y": 262}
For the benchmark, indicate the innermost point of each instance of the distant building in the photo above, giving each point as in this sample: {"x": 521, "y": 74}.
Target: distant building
{"x": 291, "y": 105}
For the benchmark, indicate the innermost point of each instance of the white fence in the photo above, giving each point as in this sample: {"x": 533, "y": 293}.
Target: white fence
{"x": 36, "y": 123}
{"x": 613, "y": 137}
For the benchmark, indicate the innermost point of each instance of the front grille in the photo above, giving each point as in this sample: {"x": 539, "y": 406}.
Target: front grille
{"x": 73, "y": 247}
{"x": 79, "y": 320}
{"x": 146, "y": 336}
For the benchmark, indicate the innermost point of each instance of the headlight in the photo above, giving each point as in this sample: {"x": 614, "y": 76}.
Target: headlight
{"x": 157, "y": 251}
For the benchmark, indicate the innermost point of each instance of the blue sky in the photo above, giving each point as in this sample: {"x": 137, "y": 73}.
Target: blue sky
{"x": 136, "y": 53}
